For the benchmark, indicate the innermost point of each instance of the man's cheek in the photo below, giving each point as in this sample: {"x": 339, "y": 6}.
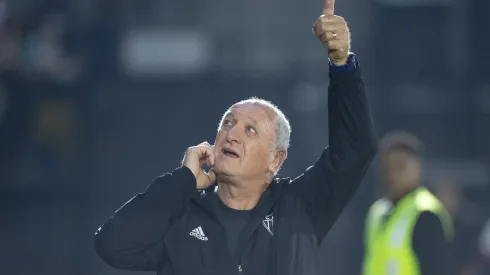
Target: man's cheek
{"x": 261, "y": 160}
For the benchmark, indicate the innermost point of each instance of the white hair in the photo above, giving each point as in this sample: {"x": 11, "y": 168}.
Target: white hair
{"x": 281, "y": 123}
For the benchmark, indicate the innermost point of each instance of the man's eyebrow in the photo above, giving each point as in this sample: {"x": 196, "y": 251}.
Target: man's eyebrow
{"x": 254, "y": 122}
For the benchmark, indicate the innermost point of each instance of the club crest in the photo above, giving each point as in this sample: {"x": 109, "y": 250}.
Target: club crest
{"x": 268, "y": 223}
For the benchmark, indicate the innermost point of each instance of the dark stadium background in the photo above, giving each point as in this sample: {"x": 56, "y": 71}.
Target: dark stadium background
{"x": 99, "y": 97}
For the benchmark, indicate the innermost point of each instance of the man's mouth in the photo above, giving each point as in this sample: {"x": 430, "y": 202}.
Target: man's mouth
{"x": 230, "y": 153}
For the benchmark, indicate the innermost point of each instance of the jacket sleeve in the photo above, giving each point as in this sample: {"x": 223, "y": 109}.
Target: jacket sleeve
{"x": 132, "y": 238}
{"x": 430, "y": 246}
{"x": 327, "y": 186}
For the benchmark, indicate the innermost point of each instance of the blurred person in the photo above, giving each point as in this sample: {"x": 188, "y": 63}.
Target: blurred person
{"x": 466, "y": 226}
{"x": 450, "y": 195}
{"x": 238, "y": 219}
{"x": 484, "y": 247}
{"x": 409, "y": 231}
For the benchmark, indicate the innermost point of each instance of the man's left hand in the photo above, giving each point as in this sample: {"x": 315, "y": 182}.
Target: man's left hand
{"x": 333, "y": 32}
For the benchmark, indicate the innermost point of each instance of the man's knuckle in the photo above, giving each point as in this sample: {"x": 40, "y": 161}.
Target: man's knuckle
{"x": 326, "y": 19}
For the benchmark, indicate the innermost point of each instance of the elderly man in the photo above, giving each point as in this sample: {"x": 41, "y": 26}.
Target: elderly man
{"x": 236, "y": 218}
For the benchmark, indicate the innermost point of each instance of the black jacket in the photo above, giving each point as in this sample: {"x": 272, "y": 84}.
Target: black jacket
{"x": 171, "y": 228}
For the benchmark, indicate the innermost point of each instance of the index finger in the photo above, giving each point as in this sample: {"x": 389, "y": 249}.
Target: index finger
{"x": 328, "y": 7}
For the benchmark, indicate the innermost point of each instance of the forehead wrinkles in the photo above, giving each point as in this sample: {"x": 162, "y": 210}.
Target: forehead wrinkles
{"x": 256, "y": 113}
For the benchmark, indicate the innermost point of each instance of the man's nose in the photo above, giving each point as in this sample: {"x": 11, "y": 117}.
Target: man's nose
{"x": 233, "y": 135}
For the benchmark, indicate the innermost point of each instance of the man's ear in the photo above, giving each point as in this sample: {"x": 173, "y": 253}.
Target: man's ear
{"x": 280, "y": 156}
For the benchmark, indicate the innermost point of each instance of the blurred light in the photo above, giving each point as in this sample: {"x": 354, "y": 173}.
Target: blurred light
{"x": 423, "y": 99}
{"x": 305, "y": 98}
{"x": 155, "y": 52}
{"x": 414, "y": 3}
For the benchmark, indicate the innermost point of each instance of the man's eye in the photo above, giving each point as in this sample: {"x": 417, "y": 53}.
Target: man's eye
{"x": 252, "y": 130}
{"x": 227, "y": 123}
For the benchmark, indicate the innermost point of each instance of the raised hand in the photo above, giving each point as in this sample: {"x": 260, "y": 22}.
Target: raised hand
{"x": 334, "y": 34}
{"x": 194, "y": 159}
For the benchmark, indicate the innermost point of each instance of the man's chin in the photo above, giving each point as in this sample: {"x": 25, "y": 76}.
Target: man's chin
{"x": 222, "y": 173}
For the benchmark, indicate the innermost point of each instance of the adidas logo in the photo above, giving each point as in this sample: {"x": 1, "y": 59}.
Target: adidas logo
{"x": 198, "y": 233}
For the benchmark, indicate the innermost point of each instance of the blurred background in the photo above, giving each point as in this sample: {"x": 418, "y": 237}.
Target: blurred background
{"x": 99, "y": 97}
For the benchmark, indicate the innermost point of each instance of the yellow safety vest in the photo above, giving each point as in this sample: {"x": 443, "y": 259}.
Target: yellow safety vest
{"x": 389, "y": 242}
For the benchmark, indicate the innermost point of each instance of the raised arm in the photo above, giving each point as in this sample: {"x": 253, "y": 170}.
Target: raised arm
{"x": 328, "y": 185}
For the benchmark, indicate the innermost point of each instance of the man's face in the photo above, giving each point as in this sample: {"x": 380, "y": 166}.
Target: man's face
{"x": 401, "y": 170}
{"x": 244, "y": 142}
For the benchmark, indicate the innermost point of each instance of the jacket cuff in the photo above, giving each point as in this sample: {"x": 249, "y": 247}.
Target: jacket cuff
{"x": 351, "y": 65}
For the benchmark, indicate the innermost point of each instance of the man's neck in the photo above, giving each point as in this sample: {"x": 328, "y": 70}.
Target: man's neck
{"x": 239, "y": 197}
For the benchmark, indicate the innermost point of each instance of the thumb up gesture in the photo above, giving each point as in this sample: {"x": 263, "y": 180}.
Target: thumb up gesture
{"x": 334, "y": 34}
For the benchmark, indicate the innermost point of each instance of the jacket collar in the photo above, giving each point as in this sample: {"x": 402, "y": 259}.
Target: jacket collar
{"x": 267, "y": 200}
